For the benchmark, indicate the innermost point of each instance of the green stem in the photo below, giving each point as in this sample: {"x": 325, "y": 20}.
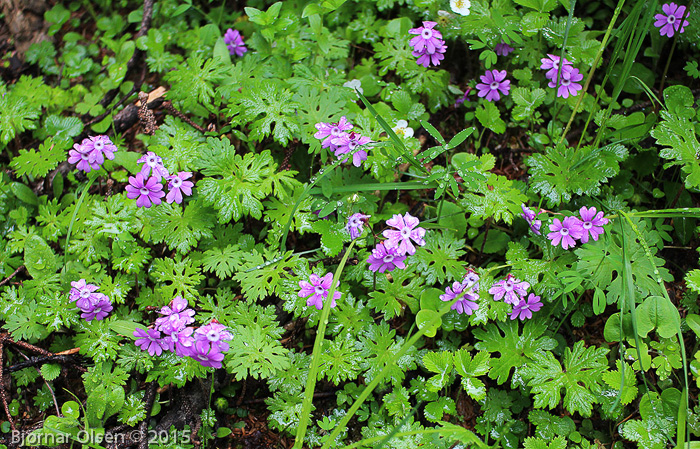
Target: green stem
{"x": 75, "y": 214}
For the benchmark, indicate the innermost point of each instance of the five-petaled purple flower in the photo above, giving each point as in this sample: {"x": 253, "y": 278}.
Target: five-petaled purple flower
{"x": 407, "y": 231}
{"x": 149, "y": 340}
{"x": 529, "y": 216}
{"x": 147, "y": 192}
{"x": 525, "y": 307}
{"x": 317, "y": 290}
{"x": 510, "y": 289}
{"x": 566, "y": 232}
{"x": 591, "y": 223}
{"x": 385, "y": 259}
{"x": 90, "y": 154}
{"x": 216, "y": 334}
{"x": 503, "y": 49}
{"x": 349, "y": 143}
{"x": 82, "y": 291}
{"x": 568, "y": 84}
{"x": 467, "y": 294}
{"x": 330, "y": 131}
{"x": 206, "y": 354}
{"x": 177, "y": 186}
{"x": 551, "y": 65}
{"x": 175, "y": 316}
{"x": 355, "y": 224}
{"x": 234, "y": 42}
{"x": 153, "y": 162}
{"x": 493, "y": 82}
{"x": 670, "y": 20}
{"x": 428, "y": 45}
{"x": 98, "y": 310}
{"x": 93, "y": 305}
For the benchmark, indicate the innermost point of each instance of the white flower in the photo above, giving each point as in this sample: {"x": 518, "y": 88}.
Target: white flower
{"x": 461, "y": 6}
{"x": 402, "y": 129}
{"x": 354, "y": 84}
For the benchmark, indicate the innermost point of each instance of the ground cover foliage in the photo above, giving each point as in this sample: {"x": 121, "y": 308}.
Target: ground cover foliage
{"x": 339, "y": 224}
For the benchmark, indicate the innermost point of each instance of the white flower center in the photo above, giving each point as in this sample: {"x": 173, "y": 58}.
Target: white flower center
{"x": 565, "y": 82}
{"x": 152, "y": 161}
{"x": 388, "y": 258}
{"x": 335, "y": 131}
{"x": 525, "y": 306}
{"x": 84, "y": 293}
{"x": 213, "y": 335}
{"x": 427, "y": 33}
{"x": 85, "y": 156}
{"x": 671, "y": 19}
{"x": 494, "y": 85}
{"x": 555, "y": 64}
{"x": 177, "y": 182}
{"x": 587, "y": 225}
{"x": 405, "y": 232}
{"x": 508, "y": 286}
{"x": 352, "y": 145}
{"x": 144, "y": 191}
{"x": 99, "y": 145}
{"x": 319, "y": 290}
{"x": 564, "y": 231}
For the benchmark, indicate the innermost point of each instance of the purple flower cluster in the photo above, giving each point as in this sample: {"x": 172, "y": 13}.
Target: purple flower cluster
{"x": 391, "y": 253}
{"x": 467, "y": 291}
{"x": 94, "y": 305}
{"x": 530, "y": 216}
{"x": 503, "y": 49}
{"x": 341, "y": 142}
{"x": 234, "y": 42}
{"x": 670, "y": 21}
{"x": 173, "y": 333}
{"x": 513, "y": 292}
{"x": 493, "y": 82}
{"x": 146, "y": 187}
{"x": 569, "y": 76}
{"x": 566, "y": 232}
{"x": 317, "y": 289}
{"x": 356, "y": 223}
{"x": 428, "y": 45}
{"x": 90, "y": 154}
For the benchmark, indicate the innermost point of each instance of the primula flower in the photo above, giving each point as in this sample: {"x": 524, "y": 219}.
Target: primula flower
{"x": 425, "y": 58}
{"x": 670, "y": 20}
{"x": 149, "y": 340}
{"x": 99, "y": 310}
{"x": 407, "y": 231}
{"x": 402, "y": 129}
{"x": 182, "y": 341}
{"x": 205, "y": 353}
{"x": 529, "y": 216}
{"x": 510, "y": 289}
{"x": 591, "y": 223}
{"x": 234, "y": 42}
{"x": 153, "y": 162}
{"x": 348, "y": 143}
{"x": 83, "y": 158}
{"x": 330, "y": 131}
{"x": 566, "y": 232}
{"x": 175, "y": 317}
{"x": 385, "y": 259}
{"x": 428, "y": 45}
{"x": 461, "y": 6}
{"x": 464, "y": 97}
{"x": 81, "y": 290}
{"x": 503, "y": 49}
{"x": 215, "y": 334}
{"x": 317, "y": 290}
{"x": 147, "y": 192}
{"x": 101, "y": 147}
{"x": 467, "y": 298}
{"x": 551, "y": 65}
{"x": 568, "y": 84}
{"x": 471, "y": 280}
{"x": 355, "y": 224}
{"x": 177, "y": 186}
{"x": 524, "y": 308}
{"x": 492, "y": 82}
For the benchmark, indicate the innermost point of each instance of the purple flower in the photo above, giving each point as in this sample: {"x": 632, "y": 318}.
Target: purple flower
{"x": 317, "y": 290}
{"x": 215, "y": 334}
{"x": 492, "y": 82}
{"x": 355, "y": 224}
{"x": 510, "y": 288}
{"x": 503, "y": 49}
{"x": 425, "y": 58}
{"x": 205, "y": 353}
{"x": 147, "y": 192}
{"x": 101, "y": 147}
{"x": 234, "y": 42}
{"x": 99, "y": 310}
{"x": 83, "y": 158}
{"x": 149, "y": 340}
{"x": 471, "y": 280}
{"x": 566, "y": 232}
{"x": 81, "y": 290}
{"x": 407, "y": 231}
{"x": 551, "y": 64}
{"x": 467, "y": 297}
{"x": 385, "y": 259}
{"x": 524, "y": 308}
{"x": 175, "y": 317}
{"x": 568, "y": 84}
{"x": 591, "y": 223}
{"x": 330, "y": 131}
{"x": 427, "y": 38}
{"x": 177, "y": 186}
{"x": 529, "y": 216}
{"x": 153, "y": 162}
{"x": 179, "y": 342}
{"x": 670, "y": 20}
{"x": 464, "y": 97}
{"x": 349, "y": 143}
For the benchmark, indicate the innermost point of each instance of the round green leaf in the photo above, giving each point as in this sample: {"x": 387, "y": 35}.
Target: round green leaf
{"x": 71, "y": 409}
{"x": 423, "y": 320}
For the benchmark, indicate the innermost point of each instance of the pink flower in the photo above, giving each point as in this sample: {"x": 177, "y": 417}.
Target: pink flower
{"x": 83, "y": 157}
{"x": 670, "y": 21}
{"x": 407, "y": 231}
{"x": 177, "y": 186}
{"x": 503, "y": 49}
{"x": 566, "y": 232}
{"x": 330, "y": 131}
{"x": 147, "y": 192}
{"x": 349, "y": 143}
{"x": 317, "y": 290}
{"x": 591, "y": 223}
{"x": 551, "y": 64}
{"x": 234, "y": 42}
{"x": 425, "y": 58}
{"x": 492, "y": 82}
{"x": 427, "y": 38}
{"x": 355, "y": 224}
{"x": 385, "y": 259}
{"x": 568, "y": 84}
{"x": 467, "y": 297}
{"x": 153, "y": 162}
{"x": 510, "y": 288}
{"x": 524, "y": 308}
{"x": 529, "y": 216}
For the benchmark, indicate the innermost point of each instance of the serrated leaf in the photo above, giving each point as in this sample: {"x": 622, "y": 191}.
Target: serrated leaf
{"x": 50, "y": 371}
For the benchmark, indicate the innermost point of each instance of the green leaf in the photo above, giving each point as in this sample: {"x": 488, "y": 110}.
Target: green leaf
{"x": 628, "y": 392}
{"x": 39, "y": 258}
{"x": 471, "y": 368}
{"x": 24, "y": 193}
{"x": 71, "y": 409}
{"x": 490, "y": 117}
{"x": 50, "y": 371}
{"x": 423, "y": 319}
{"x": 254, "y": 354}
{"x": 658, "y": 313}
{"x": 441, "y": 364}
{"x": 125, "y": 328}
{"x": 179, "y": 226}
{"x": 526, "y": 102}
{"x": 38, "y": 163}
